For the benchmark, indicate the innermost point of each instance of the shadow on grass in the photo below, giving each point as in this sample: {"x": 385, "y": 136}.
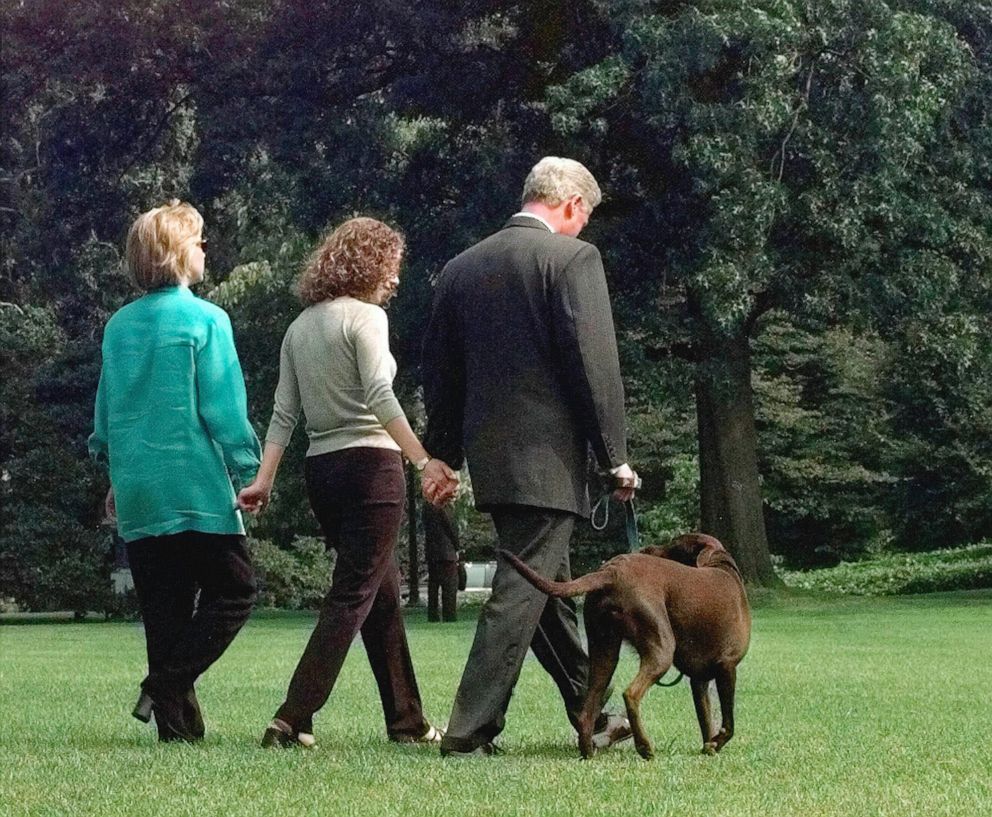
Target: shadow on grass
{"x": 760, "y": 598}
{"x": 60, "y": 617}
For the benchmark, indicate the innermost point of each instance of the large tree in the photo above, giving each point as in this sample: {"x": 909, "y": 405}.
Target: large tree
{"x": 816, "y": 158}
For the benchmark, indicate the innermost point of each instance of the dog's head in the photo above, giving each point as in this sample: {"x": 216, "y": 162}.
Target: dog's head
{"x": 692, "y": 549}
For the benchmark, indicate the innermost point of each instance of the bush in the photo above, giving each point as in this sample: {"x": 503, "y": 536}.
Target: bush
{"x": 966, "y": 568}
{"x": 49, "y": 562}
{"x": 293, "y": 579}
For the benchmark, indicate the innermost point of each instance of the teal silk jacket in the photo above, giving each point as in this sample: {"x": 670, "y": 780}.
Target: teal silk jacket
{"x": 171, "y": 417}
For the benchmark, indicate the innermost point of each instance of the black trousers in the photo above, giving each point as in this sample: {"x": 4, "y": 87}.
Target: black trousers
{"x": 195, "y": 591}
{"x": 515, "y": 617}
{"x": 358, "y": 496}
{"x": 442, "y": 590}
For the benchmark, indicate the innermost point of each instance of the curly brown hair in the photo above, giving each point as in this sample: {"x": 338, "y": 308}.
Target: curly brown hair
{"x": 353, "y": 259}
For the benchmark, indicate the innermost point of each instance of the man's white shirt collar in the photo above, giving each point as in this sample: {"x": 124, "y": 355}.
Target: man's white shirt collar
{"x": 534, "y": 215}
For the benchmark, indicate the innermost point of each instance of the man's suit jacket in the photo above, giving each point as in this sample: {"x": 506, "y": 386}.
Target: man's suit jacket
{"x": 521, "y": 372}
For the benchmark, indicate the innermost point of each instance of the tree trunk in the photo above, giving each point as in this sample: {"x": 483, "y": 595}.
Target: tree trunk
{"x": 730, "y": 494}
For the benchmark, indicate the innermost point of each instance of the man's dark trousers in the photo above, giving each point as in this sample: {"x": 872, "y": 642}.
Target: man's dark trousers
{"x": 516, "y": 617}
{"x": 442, "y": 590}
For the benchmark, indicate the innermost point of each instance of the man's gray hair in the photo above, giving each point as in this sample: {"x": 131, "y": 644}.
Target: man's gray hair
{"x": 554, "y": 179}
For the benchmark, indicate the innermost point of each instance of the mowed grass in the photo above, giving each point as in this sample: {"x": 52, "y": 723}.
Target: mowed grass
{"x": 845, "y": 707}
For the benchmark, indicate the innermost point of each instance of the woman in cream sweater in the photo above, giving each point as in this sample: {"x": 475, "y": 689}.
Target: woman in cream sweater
{"x": 336, "y": 367}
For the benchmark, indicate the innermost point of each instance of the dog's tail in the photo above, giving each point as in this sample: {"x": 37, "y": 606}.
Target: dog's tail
{"x": 576, "y": 587}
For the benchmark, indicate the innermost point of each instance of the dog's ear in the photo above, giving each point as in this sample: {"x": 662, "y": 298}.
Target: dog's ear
{"x": 718, "y": 557}
{"x": 692, "y": 548}
{"x": 672, "y": 552}
{"x": 709, "y": 550}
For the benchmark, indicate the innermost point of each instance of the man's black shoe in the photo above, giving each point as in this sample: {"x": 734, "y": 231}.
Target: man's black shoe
{"x": 482, "y": 750}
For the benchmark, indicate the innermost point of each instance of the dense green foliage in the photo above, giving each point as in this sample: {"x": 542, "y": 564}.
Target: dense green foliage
{"x": 799, "y": 200}
{"x": 845, "y": 708}
{"x": 811, "y": 165}
{"x": 293, "y": 578}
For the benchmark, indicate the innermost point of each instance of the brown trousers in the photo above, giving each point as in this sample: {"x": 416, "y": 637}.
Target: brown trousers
{"x": 358, "y": 495}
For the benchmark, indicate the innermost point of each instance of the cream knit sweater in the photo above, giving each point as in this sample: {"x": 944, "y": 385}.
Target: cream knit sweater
{"x": 336, "y": 366}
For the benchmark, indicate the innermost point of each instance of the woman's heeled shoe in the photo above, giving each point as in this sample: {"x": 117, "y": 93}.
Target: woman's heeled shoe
{"x": 280, "y": 735}
{"x": 143, "y": 708}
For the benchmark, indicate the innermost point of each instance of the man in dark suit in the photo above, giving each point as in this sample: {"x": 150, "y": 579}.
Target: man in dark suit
{"x": 521, "y": 375}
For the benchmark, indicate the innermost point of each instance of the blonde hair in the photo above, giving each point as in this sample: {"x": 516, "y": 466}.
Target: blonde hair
{"x": 353, "y": 259}
{"x": 554, "y": 179}
{"x": 157, "y": 249}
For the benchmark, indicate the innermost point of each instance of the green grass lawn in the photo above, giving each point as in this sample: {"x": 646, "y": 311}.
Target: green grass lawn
{"x": 845, "y": 707}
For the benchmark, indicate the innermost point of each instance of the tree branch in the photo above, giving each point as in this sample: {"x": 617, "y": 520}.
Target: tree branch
{"x": 802, "y": 105}
{"x": 150, "y": 141}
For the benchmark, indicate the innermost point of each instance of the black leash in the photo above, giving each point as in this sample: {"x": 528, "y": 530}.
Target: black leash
{"x": 630, "y": 527}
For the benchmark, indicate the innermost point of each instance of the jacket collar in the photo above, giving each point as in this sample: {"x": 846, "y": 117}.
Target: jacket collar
{"x": 520, "y": 220}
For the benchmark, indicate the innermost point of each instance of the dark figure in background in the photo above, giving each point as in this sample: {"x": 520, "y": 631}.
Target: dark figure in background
{"x": 441, "y": 549}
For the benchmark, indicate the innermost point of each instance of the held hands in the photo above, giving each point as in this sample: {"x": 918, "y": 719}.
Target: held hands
{"x": 626, "y": 482}
{"x": 255, "y": 498}
{"x": 439, "y": 483}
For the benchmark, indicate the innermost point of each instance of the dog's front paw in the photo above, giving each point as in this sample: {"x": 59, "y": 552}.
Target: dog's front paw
{"x": 645, "y": 750}
{"x": 710, "y": 748}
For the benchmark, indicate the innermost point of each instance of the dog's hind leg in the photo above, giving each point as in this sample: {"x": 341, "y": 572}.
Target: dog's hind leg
{"x": 726, "y": 681}
{"x": 604, "y": 653}
{"x": 704, "y": 714}
{"x": 656, "y": 659}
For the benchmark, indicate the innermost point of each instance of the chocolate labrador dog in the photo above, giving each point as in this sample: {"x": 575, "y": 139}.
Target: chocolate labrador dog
{"x": 683, "y": 604}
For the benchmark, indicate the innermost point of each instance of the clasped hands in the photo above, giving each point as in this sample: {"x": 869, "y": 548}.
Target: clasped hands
{"x": 439, "y": 482}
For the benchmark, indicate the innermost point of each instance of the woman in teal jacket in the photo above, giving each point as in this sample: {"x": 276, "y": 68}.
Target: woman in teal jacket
{"x": 171, "y": 423}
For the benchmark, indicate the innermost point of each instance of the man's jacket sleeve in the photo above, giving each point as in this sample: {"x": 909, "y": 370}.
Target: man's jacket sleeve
{"x": 583, "y": 330}
{"x": 443, "y": 368}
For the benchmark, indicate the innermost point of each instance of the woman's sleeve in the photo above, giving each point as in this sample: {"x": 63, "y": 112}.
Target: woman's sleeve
{"x": 370, "y": 333}
{"x": 286, "y": 404}
{"x": 97, "y": 443}
{"x": 223, "y": 403}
